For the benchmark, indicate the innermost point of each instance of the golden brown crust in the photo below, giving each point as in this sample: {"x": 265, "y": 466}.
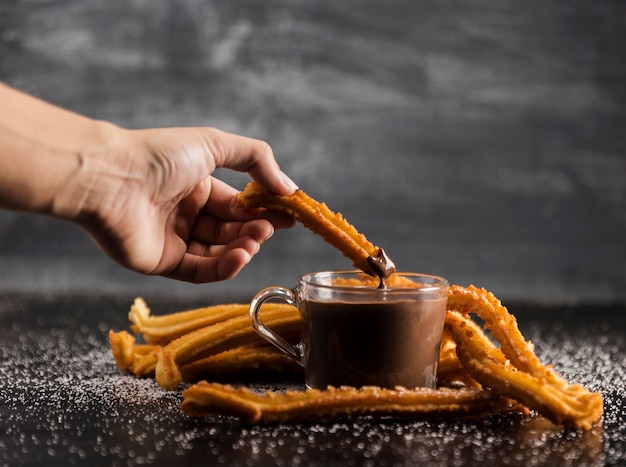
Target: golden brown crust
{"x": 138, "y": 359}
{"x": 122, "y": 345}
{"x": 210, "y": 340}
{"x": 164, "y": 329}
{"x": 204, "y": 399}
{"x": 530, "y": 383}
{"x": 450, "y": 371}
{"x": 365, "y": 280}
{"x": 503, "y": 327}
{"x": 244, "y": 361}
{"x": 317, "y": 217}
{"x": 241, "y": 362}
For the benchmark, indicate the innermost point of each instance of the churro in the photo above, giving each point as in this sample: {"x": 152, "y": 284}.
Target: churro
{"x": 331, "y": 226}
{"x": 450, "y": 370}
{"x": 165, "y": 328}
{"x": 211, "y": 340}
{"x": 503, "y": 327}
{"x": 242, "y": 363}
{"x": 270, "y": 407}
{"x": 568, "y": 405}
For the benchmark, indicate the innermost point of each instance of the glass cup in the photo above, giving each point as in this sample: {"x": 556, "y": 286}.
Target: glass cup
{"x": 357, "y": 334}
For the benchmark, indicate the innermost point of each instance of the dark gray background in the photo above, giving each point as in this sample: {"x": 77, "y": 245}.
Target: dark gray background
{"x": 482, "y": 140}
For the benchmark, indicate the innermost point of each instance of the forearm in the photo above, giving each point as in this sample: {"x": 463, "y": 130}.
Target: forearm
{"x": 45, "y": 155}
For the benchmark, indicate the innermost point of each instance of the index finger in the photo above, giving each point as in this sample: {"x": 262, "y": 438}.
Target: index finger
{"x": 250, "y": 155}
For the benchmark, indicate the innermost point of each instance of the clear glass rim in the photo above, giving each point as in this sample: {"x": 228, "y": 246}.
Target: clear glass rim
{"x": 435, "y": 283}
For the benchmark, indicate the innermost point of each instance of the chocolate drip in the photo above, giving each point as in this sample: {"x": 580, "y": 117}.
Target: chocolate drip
{"x": 382, "y": 265}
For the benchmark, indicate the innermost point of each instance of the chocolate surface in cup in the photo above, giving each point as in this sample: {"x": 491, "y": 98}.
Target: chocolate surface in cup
{"x": 379, "y": 343}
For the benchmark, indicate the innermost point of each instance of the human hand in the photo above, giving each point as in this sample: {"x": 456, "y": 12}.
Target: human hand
{"x": 150, "y": 202}
{"x": 146, "y": 197}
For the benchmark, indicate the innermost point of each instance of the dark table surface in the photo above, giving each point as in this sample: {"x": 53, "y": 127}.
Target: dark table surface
{"x": 63, "y": 401}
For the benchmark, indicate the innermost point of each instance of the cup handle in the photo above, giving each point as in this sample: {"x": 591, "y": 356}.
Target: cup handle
{"x": 280, "y": 293}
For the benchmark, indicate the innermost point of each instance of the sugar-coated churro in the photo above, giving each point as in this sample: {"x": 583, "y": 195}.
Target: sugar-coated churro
{"x": 210, "y": 340}
{"x": 569, "y": 405}
{"x": 165, "y": 328}
{"x": 211, "y": 398}
{"x": 331, "y": 226}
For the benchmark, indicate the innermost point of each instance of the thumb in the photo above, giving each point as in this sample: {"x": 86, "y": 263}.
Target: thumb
{"x": 250, "y": 155}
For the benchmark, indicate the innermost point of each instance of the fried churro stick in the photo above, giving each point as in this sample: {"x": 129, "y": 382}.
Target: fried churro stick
{"x": 205, "y": 399}
{"x": 164, "y": 329}
{"x": 138, "y": 359}
{"x": 210, "y": 340}
{"x": 364, "y": 280}
{"x": 569, "y": 405}
{"x": 123, "y": 346}
{"x": 244, "y": 362}
{"x": 331, "y": 226}
{"x": 503, "y": 327}
{"x": 450, "y": 371}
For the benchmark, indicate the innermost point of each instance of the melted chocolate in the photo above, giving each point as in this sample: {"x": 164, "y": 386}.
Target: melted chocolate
{"x": 382, "y": 265}
{"x": 380, "y": 343}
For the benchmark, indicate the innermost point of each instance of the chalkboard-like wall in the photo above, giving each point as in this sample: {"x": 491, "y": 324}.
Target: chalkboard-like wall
{"x": 484, "y": 141}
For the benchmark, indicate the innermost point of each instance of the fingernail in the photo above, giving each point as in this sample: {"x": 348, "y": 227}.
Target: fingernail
{"x": 288, "y": 182}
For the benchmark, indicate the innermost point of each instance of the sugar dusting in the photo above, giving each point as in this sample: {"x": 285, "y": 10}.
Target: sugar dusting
{"x": 62, "y": 397}
{"x": 63, "y": 402}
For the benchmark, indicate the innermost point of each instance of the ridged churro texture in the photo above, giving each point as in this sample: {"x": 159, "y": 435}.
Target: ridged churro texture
{"x": 513, "y": 369}
{"x": 205, "y": 342}
{"x": 318, "y": 218}
{"x": 205, "y": 398}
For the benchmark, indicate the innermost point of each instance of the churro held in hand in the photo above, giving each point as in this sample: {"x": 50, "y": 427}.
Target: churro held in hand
{"x": 331, "y": 226}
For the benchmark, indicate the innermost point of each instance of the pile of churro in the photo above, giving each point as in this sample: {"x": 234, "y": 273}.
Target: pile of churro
{"x": 482, "y": 370}
{"x": 215, "y": 342}
{"x": 476, "y": 376}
